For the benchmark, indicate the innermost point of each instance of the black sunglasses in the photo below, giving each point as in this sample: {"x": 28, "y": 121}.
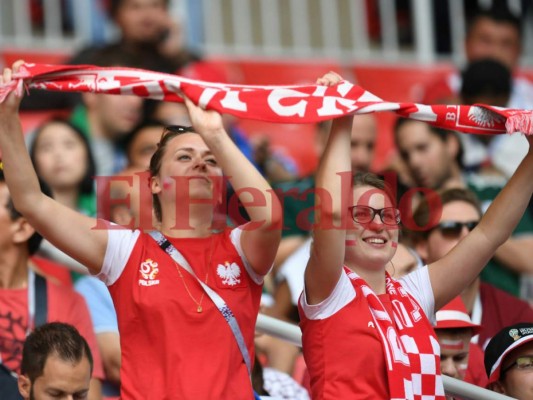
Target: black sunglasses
{"x": 174, "y": 130}
{"x": 454, "y": 228}
{"x": 365, "y": 214}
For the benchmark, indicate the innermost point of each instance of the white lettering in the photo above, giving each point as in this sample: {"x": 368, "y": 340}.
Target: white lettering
{"x": 277, "y": 95}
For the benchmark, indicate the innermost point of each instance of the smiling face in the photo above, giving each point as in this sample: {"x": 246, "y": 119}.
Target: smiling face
{"x": 371, "y": 245}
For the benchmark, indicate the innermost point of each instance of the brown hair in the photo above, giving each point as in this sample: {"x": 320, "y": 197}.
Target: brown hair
{"x": 422, "y": 214}
{"x": 169, "y": 133}
{"x": 370, "y": 179}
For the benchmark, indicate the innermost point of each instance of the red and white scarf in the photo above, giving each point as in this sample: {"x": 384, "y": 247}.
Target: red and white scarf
{"x": 411, "y": 348}
{"x": 283, "y": 104}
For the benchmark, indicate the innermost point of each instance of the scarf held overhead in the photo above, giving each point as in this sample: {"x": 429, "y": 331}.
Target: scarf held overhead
{"x": 282, "y": 104}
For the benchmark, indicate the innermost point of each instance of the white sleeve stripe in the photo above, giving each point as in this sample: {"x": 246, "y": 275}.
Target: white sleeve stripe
{"x": 235, "y": 237}
{"x": 343, "y": 294}
{"x": 120, "y": 243}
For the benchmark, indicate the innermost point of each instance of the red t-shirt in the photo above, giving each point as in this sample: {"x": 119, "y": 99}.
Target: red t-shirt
{"x": 64, "y": 305}
{"x": 475, "y": 373}
{"x": 500, "y": 309}
{"x": 169, "y": 350}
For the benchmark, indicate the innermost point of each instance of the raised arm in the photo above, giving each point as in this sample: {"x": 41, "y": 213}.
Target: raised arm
{"x": 452, "y": 273}
{"x": 327, "y": 250}
{"x": 68, "y": 230}
{"x": 261, "y": 236}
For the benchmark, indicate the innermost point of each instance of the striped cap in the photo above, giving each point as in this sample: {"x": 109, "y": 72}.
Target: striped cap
{"x": 454, "y": 315}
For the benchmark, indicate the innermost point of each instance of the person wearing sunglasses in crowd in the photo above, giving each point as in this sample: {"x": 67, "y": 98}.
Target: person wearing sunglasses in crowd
{"x": 509, "y": 361}
{"x": 176, "y": 343}
{"x": 366, "y": 335}
{"x": 488, "y": 306}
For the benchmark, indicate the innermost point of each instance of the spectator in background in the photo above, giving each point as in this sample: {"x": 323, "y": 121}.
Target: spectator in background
{"x": 63, "y": 159}
{"x": 487, "y": 305}
{"x": 106, "y": 119}
{"x": 56, "y": 362}
{"x": 496, "y": 34}
{"x": 434, "y": 159}
{"x": 509, "y": 361}
{"x": 20, "y": 306}
{"x": 147, "y": 33}
{"x": 459, "y": 358}
{"x": 487, "y": 81}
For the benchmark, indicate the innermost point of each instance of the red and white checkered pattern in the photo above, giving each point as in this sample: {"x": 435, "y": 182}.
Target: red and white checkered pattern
{"x": 409, "y": 343}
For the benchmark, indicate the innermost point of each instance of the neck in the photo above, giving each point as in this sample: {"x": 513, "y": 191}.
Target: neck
{"x": 455, "y": 181}
{"x": 199, "y": 222}
{"x": 13, "y": 271}
{"x": 469, "y": 295}
{"x": 374, "y": 278}
{"x": 67, "y": 196}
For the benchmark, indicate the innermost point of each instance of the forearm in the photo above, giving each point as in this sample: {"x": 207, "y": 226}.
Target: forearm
{"x": 254, "y": 192}
{"x": 506, "y": 210}
{"x": 17, "y": 166}
{"x": 516, "y": 254}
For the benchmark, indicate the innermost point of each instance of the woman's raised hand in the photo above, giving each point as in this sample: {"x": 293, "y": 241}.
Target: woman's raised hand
{"x": 207, "y": 123}
{"x": 11, "y": 104}
{"x": 329, "y": 79}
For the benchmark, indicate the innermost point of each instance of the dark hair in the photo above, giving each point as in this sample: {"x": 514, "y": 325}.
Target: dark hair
{"x": 373, "y": 180}
{"x": 500, "y": 14}
{"x": 55, "y": 338}
{"x": 443, "y": 134}
{"x": 486, "y": 77}
{"x": 114, "y": 6}
{"x": 144, "y": 124}
{"x": 86, "y": 185}
{"x": 35, "y": 240}
{"x": 422, "y": 214}
{"x": 157, "y": 159}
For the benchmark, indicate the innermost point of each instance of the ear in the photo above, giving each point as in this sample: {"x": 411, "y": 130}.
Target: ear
{"x": 22, "y": 230}
{"x": 24, "y": 385}
{"x": 155, "y": 185}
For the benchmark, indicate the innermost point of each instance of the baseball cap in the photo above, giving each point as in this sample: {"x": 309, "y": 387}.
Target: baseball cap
{"x": 454, "y": 315}
{"x": 503, "y": 343}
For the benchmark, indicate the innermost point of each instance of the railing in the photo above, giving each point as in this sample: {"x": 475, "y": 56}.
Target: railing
{"x": 291, "y": 333}
{"x": 267, "y": 28}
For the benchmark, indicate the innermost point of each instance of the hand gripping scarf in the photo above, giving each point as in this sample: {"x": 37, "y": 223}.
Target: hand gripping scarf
{"x": 411, "y": 349}
{"x": 282, "y": 104}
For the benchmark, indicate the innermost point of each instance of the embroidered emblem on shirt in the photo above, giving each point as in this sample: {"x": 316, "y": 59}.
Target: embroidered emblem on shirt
{"x": 229, "y": 273}
{"x": 149, "y": 270}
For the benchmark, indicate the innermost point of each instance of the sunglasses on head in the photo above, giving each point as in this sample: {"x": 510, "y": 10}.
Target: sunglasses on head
{"x": 454, "y": 228}
{"x": 175, "y": 130}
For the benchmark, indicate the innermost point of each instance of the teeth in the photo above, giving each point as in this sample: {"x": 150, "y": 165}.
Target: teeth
{"x": 375, "y": 240}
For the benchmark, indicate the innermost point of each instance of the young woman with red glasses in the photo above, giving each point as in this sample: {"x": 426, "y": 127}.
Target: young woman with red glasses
{"x": 366, "y": 335}
{"x": 183, "y": 335}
